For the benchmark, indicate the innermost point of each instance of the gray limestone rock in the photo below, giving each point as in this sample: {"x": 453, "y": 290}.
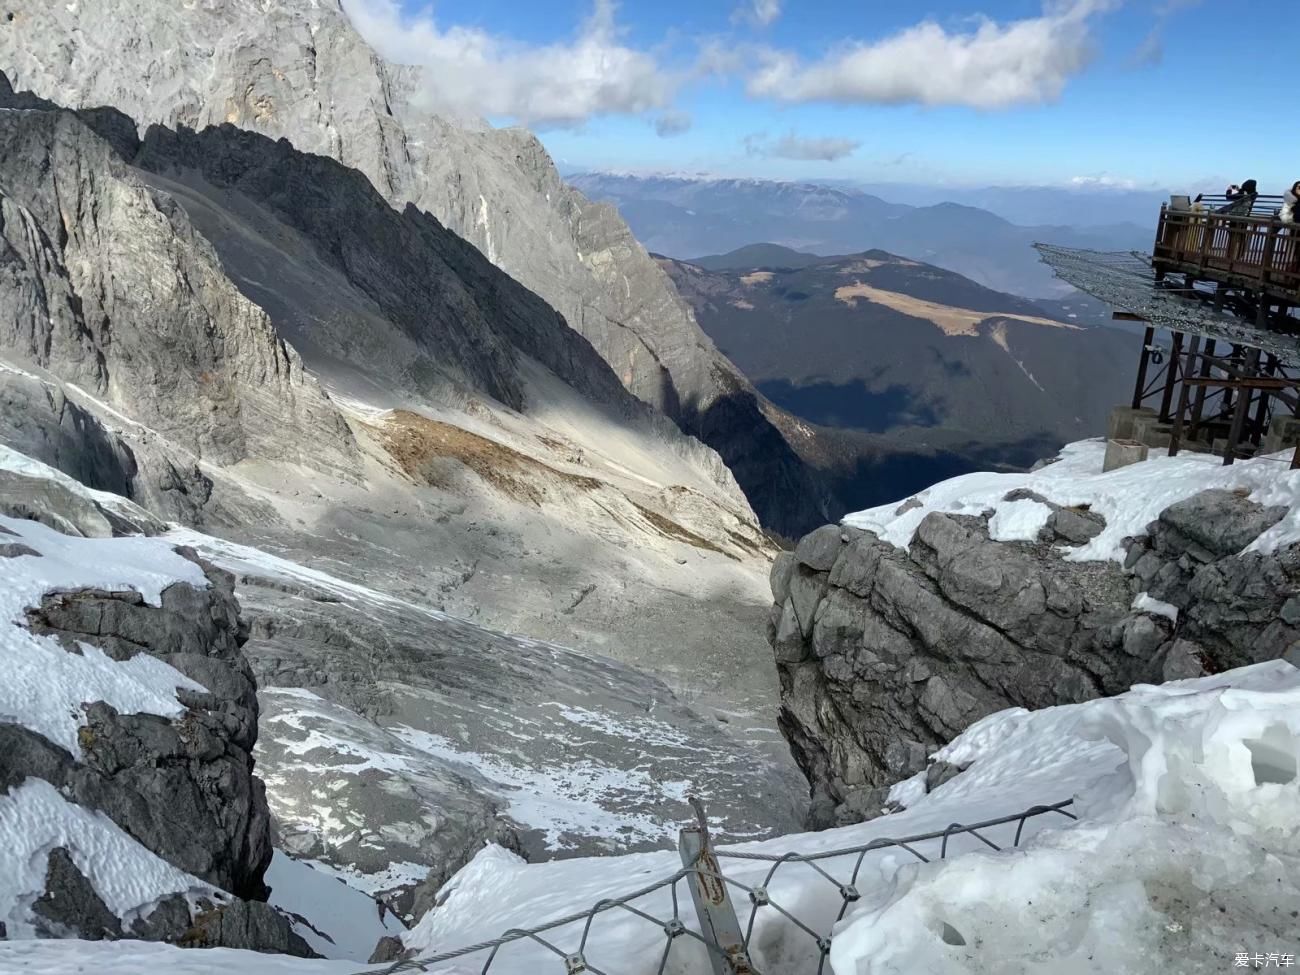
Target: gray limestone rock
{"x": 782, "y": 569}
{"x": 937, "y": 773}
{"x": 251, "y": 925}
{"x": 909, "y": 647}
{"x": 201, "y": 762}
{"x": 1220, "y": 522}
{"x": 182, "y": 788}
{"x": 1180, "y": 660}
{"x": 70, "y": 907}
{"x": 195, "y": 361}
{"x": 388, "y": 949}
{"x": 1074, "y": 525}
{"x": 819, "y": 549}
{"x": 806, "y": 591}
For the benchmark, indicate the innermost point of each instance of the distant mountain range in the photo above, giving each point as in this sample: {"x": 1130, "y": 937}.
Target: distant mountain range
{"x": 686, "y": 217}
{"x": 1084, "y": 204}
{"x": 889, "y": 371}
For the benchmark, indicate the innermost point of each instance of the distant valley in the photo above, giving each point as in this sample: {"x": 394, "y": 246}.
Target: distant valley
{"x": 686, "y": 218}
{"x": 882, "y": 370}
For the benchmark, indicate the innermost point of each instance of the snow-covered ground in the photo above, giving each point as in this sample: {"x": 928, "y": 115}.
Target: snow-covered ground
{"x": 1184, "y": 790}
{"x": 1184, "y": 855}
{"x": 1129, "y": 497}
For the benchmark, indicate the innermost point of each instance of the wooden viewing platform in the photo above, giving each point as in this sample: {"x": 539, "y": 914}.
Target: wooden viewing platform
{"x": 1254, "y": 250}
{"x": 1223, "y": 281}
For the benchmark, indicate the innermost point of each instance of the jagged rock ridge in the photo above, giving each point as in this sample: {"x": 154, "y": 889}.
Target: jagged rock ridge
{"x": 886, "y": 653}
{"x": 108, "y": 285}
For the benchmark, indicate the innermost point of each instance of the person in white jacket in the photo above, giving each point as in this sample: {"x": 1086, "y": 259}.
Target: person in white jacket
{"x": 1290, "y": 213}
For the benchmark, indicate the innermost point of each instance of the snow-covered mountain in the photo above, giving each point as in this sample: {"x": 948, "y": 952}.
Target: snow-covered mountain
{"x": 360, "y": 568}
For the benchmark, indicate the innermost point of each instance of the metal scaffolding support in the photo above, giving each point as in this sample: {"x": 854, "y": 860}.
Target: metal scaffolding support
{"x": 1233, "y": 362}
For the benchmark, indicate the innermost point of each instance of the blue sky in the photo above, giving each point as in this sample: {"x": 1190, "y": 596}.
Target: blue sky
{"x": 1153, "y": 93}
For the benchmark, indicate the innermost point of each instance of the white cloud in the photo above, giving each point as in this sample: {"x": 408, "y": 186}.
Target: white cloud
{"x": 1152, "y": 49}
{"x": 672, "y": 123}
{"x": 791, "y": 146}
{"x": 760, "y": 12}
{"x": 1103, "y": 181}
{"x": 992, "y": 65}
{"x": 472, "y": 72}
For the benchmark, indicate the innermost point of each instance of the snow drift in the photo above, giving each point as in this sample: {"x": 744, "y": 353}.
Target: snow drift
{"x": 1184, "y": 792}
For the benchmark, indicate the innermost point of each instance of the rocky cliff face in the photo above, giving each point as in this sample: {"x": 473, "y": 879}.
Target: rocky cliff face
{"x": 190, "y": 838}
{"x": 200, "y": 254}
{"x": 299, "y": 70}
{"x": 887, "y": 653}
{"x": 108, "y": 286}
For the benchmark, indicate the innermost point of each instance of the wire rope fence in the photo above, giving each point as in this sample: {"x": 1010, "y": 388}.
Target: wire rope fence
{"x": 694, "y": 908}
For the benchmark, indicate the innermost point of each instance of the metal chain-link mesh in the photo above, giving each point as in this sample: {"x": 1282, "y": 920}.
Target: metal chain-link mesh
{"x": 570, "y": 947}
{"x": 1126, "y": 280}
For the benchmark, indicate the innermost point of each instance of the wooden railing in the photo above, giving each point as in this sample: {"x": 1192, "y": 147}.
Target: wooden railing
{"x": 1256, "y": 251}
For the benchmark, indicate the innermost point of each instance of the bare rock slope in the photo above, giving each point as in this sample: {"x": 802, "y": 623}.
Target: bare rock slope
{"x": 300, "y": 70}
{"x": 472, "y": 454}
{"x": 150, "y": 354}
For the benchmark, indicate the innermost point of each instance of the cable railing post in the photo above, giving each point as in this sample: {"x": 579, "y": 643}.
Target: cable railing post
{"x": 718, "y": 922}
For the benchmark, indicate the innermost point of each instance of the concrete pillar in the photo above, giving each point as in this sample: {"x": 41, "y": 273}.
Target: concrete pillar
{"x": 1121, "y": 453}
{"x": 1150, "y": 431}
{"x": 1122, "y": 418}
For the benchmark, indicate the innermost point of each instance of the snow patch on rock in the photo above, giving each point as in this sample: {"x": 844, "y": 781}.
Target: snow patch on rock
{"x": 35, "y": 819}
{"x": 1129, "y": 497}
{"x": 1146, "y": 603}
{"x": 1018, "y": 521}
{"x": 44, "y": 685}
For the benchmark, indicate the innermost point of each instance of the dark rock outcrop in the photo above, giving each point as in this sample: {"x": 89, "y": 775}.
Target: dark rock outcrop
{"x": 214, "y": 823}
{"x": 886, "y": 654}
{"x": 182, "y": 788}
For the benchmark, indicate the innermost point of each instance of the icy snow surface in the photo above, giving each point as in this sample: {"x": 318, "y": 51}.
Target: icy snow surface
{"x": 1129, "y": 497}
{"x": 145, "y": 958}
{"x": 1186, "y": 856}
{"x": 342, "y": 921}
{"x": 35, "y": 819}
{"x": 1111, "y": 753}
{"x": 44, "y": 685}
{"x": 1018, "y": 521}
